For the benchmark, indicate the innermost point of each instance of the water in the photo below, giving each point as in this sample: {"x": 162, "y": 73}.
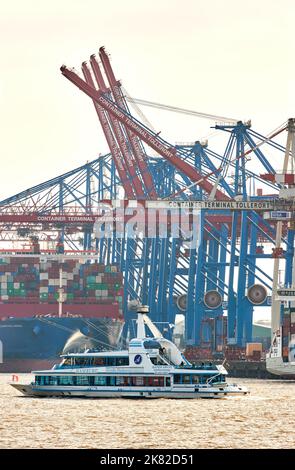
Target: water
{"x": 264, "y": 419}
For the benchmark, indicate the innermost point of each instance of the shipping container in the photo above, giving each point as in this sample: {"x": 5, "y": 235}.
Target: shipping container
{"x": 251, "y": 347}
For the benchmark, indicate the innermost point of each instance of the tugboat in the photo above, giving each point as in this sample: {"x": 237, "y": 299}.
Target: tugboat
{"x": 152, "y": 367}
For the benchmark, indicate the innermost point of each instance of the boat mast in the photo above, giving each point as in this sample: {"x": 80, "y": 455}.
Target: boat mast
{"x": 142, "y": 310}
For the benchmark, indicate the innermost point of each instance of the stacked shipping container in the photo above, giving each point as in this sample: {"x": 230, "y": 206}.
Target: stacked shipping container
{"x": 288, "y": 331}
{"x": 34, "y": 280}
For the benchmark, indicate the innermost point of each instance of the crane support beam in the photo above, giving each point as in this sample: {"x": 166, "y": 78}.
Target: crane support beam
{"x": 149, "y": 137}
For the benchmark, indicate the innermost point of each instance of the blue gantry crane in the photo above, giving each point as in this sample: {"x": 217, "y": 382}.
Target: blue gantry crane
{"x": 224, "y": 274}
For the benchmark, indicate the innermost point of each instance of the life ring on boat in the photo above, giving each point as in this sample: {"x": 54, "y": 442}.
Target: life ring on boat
{"x": 15, "y": 378}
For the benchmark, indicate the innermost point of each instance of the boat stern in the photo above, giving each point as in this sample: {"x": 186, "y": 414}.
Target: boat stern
{"x": 236, "y": 389}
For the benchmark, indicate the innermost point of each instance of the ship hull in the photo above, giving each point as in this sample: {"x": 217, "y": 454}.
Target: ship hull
{"x": 276, "y": 366}
{"x": 36, "y": 343}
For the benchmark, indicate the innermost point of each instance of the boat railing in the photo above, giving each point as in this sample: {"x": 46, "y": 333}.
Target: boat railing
{"x": 209, "y": 380}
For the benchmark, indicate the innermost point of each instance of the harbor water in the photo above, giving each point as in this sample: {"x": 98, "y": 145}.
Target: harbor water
{"x": 264, "y": 419}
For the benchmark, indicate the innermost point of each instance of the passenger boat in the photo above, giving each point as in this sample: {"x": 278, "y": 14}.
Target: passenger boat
{"x": 152, "y": 367}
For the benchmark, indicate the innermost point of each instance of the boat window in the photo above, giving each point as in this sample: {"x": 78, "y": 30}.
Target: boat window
{"x": 157, "y": 361}
{"x": 46, "y": 380}
{"x": 111, "y": 361}
{"x": 155, "y": 381}
{"x": 177, "y": 378}
{"x": 101, "y": 361}
{"x": 120, "y": 380}
{"x": 100, "y": 380}
{"x": 98, "y": 361}
{"x": 66, "y": 380}
{"x": 67, "y": 362}
{"x": 111, "y": 381}
{"x": 138, "y": 381}
{"x": 149, "y": 381}
{"x": 151, "y": 344}
{"x": 186, "y": 379}
{"x": 53, "y": 380}
{"x": 81, "y": 361}
{"x": 195, "y": 379}
{"x": 82, "y": 380}
{"x": 122, "y": 361}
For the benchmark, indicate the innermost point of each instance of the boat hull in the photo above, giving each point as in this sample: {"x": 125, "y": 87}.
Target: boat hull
{"x": 92, "y": 392}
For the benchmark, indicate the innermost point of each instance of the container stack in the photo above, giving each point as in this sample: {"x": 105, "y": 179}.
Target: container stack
{"x": 101, "y": 283}
{"x": 195, "y": 353}
{"x": 220, "y": 330}
{"x": 254, "y": 351}
{"x": 234, "y": 353}
{"x": 31, "y": 279}
{"x": 288, "y": 330}
{"x": 292, "y": 327}
{"x": 19, "y": 279}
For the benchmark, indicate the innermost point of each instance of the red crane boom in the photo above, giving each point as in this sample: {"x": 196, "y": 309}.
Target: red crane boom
{"x": 116, "y": 126}
{"x": 119, "y": 162}
{"x": 134, "y": 141}
{"x": 128, "y": 157}
{"x": 150, "y": 138}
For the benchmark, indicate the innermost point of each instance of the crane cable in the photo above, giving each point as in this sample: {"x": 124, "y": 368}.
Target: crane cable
{"x": 176, "y": 109}
{"x": 133, "y": 102}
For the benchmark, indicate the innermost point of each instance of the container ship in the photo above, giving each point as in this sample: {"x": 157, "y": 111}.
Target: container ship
{"x": 55, "y": 303}
{"x": 281, "y": 357}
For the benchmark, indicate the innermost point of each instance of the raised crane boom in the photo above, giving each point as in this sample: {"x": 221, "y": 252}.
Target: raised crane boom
{"x": 115, "y": 123}
{"x": 149, "y": 137}
{"x": 133, "y": 139}
{"x": 128, "y": 159}
{"x": 115, "y": 151}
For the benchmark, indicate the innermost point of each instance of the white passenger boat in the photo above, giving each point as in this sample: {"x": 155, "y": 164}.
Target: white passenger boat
{"x": 152, "y": 367}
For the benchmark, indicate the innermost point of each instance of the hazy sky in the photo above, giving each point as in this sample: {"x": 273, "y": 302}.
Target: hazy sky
{"x": 229, "y": 57}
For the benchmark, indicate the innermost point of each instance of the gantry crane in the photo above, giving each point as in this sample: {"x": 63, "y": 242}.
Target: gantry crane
{"x": 222, "y": 273}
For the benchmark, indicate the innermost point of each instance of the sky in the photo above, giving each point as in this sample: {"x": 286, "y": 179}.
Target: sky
{"x": 230, "y": 58}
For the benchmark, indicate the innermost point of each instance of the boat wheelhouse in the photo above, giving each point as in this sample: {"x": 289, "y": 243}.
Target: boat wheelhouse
{"x": 152, "y": 367}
